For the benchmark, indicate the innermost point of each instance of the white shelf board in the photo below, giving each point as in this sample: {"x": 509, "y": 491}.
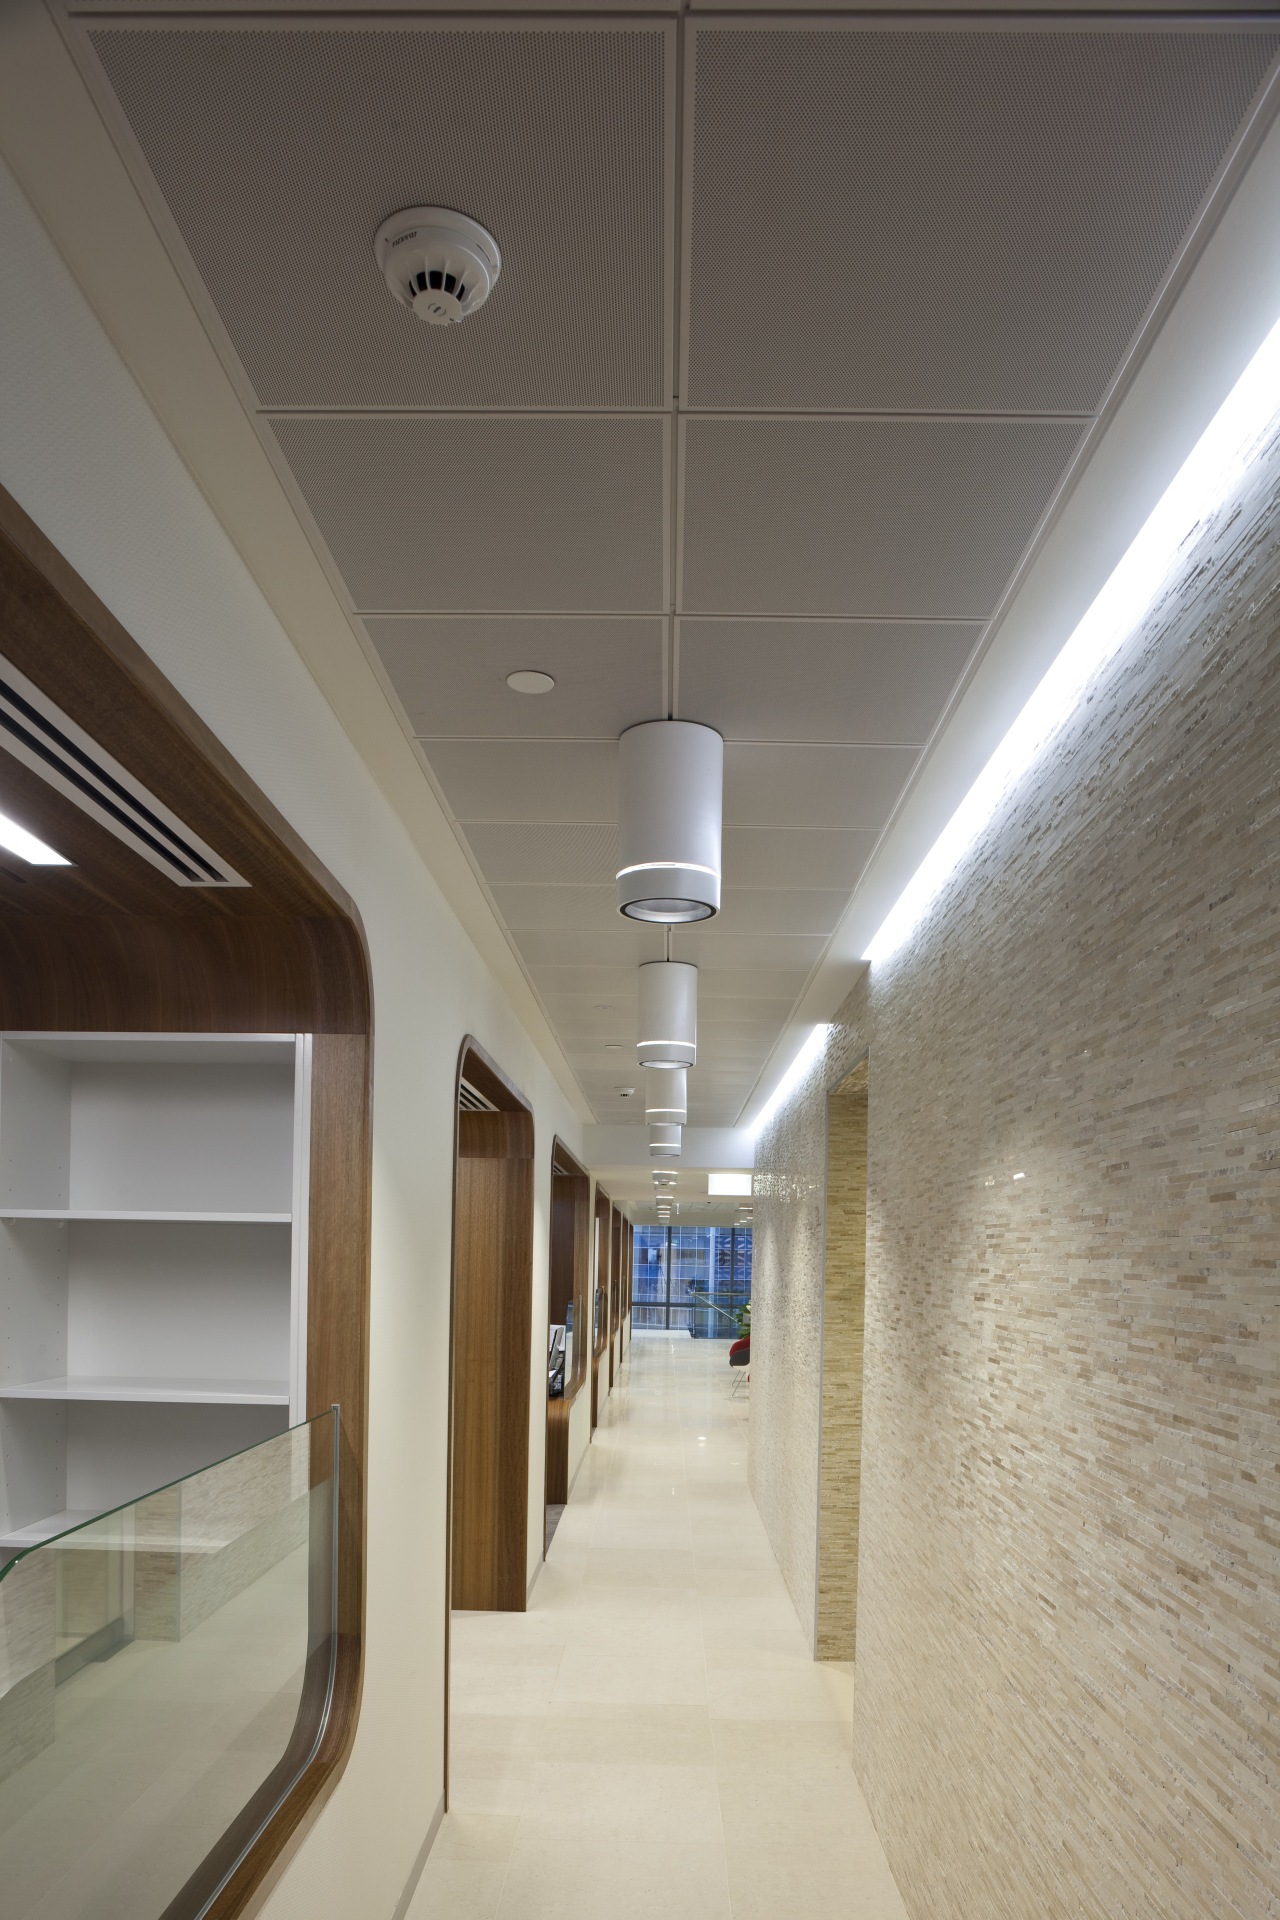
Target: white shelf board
{"x": 161, "y": 1049}
{"x": 38, "y": 1531}
{"x": 133, "y": 1213}
{"x": 117, "y": 1534}
{"x": 203, "y": 1393}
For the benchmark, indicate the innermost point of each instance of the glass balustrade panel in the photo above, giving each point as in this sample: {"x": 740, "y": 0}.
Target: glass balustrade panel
{"x": 165, "y": 1674}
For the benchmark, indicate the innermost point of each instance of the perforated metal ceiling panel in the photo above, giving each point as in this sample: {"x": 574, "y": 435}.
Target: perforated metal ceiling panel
{"x": 625, "y": 944}
{"x": 595, "y": 984}
{"x": 796, "y": 856}
{"x": 735, "y": 952}
{"x": 581, "y": 1022}
{"x": 780, "y": 910}
{"x": 451, "y": 673}
{"x": 857, "y": 681}
{"x": 929, "y": 220}
{"x": 552, "y": 136}
{"x": 914, "y": 255}
{"x": 575, "y": 909}
{"x": 813, "y": 786}
{"x": 765, "y": 983}
{"x": 569, "y": 855}
{"x": 439, "y": 514}
{"x": 526, "y": 780}
{"x": 905, "y": 519}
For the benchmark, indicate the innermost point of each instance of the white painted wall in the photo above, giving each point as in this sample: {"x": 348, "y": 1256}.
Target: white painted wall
{"x": 87, "y": 459}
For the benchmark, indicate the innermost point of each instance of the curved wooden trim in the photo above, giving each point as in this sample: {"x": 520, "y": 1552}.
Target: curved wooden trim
{"x": 482, "y": 1071}
{"x": 112, "y": 944}
{"x": 48, "y": 569}
{"x": 569, "y": 1163}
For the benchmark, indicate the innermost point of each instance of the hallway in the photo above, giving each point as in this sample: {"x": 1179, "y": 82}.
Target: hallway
{"x": 652, "y": 1738}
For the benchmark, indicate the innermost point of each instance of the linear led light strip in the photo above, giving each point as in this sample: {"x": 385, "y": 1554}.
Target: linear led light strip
{"x": 45, "y": 739}
{"x": 1211, "y": 473}
{"x": 667, "y": 866}
{"x": 16, "y": 839}
{"x": 791, "y": 1079}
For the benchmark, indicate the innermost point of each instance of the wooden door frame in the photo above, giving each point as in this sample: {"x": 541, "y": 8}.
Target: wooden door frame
{"x": 566, "y": 1166}
{"x": 617, "y": 1225}
{"x": 479, "y": 1068}
{"x": 602, "y": 1239}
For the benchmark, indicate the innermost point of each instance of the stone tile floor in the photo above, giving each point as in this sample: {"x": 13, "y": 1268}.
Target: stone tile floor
{"x": 652, "y": 1737}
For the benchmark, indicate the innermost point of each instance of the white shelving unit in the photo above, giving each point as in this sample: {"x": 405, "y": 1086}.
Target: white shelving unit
{"x": 153, "y": 1260}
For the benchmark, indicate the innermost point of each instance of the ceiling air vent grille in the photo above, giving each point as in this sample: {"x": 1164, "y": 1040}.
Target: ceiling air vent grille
{"x": 39, "y": 734}
{"x": 473, "y": 1101}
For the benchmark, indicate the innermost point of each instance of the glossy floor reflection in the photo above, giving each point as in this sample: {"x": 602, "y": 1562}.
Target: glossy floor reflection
{"x": 652, "y": 1737}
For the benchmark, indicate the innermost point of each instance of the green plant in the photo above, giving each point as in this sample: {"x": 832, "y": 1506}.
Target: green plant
{"x": 743, "y": 1317}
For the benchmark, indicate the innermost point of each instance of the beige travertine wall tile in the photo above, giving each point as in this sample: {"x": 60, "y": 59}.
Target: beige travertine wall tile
{"x": 844, "y": 1294}
{"x": 1068, "y": 1697}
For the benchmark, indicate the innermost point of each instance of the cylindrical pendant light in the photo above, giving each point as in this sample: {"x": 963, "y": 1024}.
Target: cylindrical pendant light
{"x": 670, "y": 800}
{"x": 666, "y": 1094}
{"x": 664, "y": 1141}
{"x": 668, "y": 1014}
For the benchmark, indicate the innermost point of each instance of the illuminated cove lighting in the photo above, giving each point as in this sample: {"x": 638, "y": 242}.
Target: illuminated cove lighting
{"x": 791, "y": 1079}
{"x": 1210, "y": 475}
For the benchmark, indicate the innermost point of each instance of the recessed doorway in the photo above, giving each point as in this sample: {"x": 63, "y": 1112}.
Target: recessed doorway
{"x": 568, "y": 1335}
{"x": 490, "y": 1347}
{"x": 844, "y": 1298}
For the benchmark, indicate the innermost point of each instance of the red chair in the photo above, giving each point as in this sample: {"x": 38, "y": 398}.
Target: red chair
{"x": 740, "y": 1352}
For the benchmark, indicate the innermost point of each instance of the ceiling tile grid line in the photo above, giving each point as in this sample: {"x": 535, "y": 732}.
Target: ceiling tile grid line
{"x": 803, "y": 327}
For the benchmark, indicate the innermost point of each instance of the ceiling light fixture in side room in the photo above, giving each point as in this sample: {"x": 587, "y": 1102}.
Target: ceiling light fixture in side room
{"x": 670, "y": 803}
{"x": 728, "y": 1183}
{"x": 664, "y": 1140}
{"x": 667, "y": 1014}
{"x": 1210, "y": 475}
{"x": 440, "y": 264}
{"x": 16, "y": 839}
{"x": 666, "y": 1094}
{"x": 791, "y": 1079}
{"x": 529, "y": 680}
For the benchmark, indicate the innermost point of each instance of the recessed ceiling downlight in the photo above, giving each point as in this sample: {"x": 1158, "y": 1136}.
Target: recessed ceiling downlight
{"x": 527, "y": 680}
{"x": 440, "y": 264}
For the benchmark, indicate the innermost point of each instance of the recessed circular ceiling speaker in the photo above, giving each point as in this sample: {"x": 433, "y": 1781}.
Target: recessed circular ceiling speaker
{"x": 667, "y": 1014}
{"x": 440, "y": 264}
{"x": 670, "y": 801}
{"x": 664, "y": 1140}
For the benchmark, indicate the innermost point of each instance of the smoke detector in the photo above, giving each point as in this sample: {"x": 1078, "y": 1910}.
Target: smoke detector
{"x": 439, "y": 264}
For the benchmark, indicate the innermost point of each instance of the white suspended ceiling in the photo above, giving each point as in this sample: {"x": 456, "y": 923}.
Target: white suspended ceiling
{"x": 802, "y": 324}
